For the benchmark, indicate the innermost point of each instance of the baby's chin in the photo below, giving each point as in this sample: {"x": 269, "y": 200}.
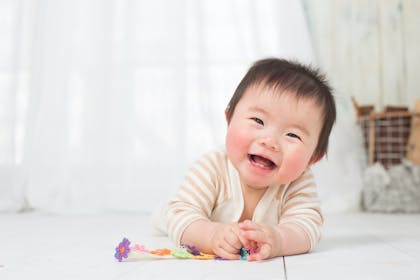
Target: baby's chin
{"x": 256, "y": 184}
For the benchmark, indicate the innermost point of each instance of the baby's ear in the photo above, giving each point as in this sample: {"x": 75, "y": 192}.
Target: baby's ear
{"x": 227, "y": 114}
{"x": 315, "y": 158}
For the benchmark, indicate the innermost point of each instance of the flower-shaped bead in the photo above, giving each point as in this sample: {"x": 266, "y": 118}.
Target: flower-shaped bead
{"x": 121, "y": 252}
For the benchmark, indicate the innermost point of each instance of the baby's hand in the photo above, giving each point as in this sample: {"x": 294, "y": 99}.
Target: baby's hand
{"x": 264, "y": 235}
{"x": 226, "y": 241}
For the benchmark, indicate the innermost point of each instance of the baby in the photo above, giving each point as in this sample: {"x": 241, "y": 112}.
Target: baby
{"x": 259, "y": 191}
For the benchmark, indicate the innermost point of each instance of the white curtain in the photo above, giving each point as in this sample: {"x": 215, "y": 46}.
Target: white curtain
{"x": 104, "y": 104}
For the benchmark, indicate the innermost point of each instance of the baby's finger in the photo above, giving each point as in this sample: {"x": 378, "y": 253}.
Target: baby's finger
{"x": 228, "y": 247}
{"x": 248, "y": 225}
{"x": 221, "y": 252}
{"x": 256, "y": 235}
{"x": 244, "y": 241}
{"x": 233, "y": 239}
{"x": 262, "y": 254}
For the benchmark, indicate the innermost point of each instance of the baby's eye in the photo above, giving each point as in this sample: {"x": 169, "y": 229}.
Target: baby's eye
{"x": 258, "y": 121}
{"x": 293, "y": 135}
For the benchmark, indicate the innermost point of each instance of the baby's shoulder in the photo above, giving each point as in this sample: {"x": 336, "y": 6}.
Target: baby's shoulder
{"x": 305, "y": 180}
{"x": 216, "y": 158}
{"x": 306, "y": 175}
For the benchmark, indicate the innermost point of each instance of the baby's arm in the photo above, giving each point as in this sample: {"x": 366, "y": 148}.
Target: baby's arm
{"x": 299, "y": 227}
{"x": 187, "y": 219}
{"x": 273, "y": 240}
{"x": 221, "y": 239}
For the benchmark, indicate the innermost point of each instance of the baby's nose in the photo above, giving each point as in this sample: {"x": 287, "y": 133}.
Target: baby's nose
{"x": 269, "y": 143}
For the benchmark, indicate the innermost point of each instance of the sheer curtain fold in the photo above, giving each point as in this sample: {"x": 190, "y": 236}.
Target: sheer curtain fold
{"x": 112, "y": 100}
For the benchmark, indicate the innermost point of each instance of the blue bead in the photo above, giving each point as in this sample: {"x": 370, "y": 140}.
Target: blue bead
{"x": 244, "y": 253}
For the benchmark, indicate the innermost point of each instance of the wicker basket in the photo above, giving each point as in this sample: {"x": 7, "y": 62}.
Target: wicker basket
{"x": 385, "y": 133}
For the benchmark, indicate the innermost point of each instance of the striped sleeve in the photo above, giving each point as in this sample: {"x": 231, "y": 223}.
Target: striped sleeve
{"x": 301, "y": 206}
{"x": 194, "y": 199}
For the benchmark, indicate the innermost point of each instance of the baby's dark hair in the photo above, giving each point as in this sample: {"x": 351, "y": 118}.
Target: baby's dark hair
{"x": 295, "y": 78}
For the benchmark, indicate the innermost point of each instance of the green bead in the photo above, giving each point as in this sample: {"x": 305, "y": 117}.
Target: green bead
{"x": 181, "y": 253}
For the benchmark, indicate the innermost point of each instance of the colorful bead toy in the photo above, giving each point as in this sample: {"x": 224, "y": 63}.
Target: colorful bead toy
{"x": 138, "y": 252}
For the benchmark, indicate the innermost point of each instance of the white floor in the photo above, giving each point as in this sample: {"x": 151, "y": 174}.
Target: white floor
{"x": 355, "y": 246}
{"x": 363, "y": 246}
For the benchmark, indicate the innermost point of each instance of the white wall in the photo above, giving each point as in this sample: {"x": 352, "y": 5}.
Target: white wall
{"x": 369, "y": 49}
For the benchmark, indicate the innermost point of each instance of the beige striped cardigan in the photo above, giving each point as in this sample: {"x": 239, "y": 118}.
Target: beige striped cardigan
{"x": 212, "y": 191}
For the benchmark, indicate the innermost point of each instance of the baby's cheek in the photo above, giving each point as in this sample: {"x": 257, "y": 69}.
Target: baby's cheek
{"x": 241, "y": 140}
{"x": 294, "y": 166}
{"x": 236, "y": 139}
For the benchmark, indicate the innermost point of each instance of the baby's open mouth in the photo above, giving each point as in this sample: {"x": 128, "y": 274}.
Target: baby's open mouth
{"x": 261, "y": 161}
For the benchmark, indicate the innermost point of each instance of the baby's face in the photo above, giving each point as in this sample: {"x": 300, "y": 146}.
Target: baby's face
{"x": 271, "y": 137}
